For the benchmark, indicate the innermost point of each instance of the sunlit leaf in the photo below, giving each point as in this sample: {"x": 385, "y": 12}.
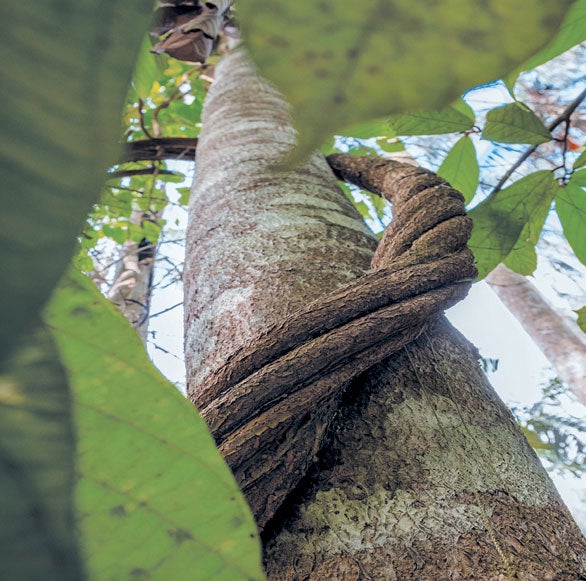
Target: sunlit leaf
{"x": 581, "y": 312}
{"x": 37, "y": 536}
{"x": 581, "y": 161}
{"x": 155, "y": 499}
{"x": 570, "y": 204}
{"x": 460, "y": 168}
{"x": 456, "y": 118}
{"x": 151, "y": 230}
{"x": 572, "y": 32}
{"x": 66, "y": 68}
{"x": 534, "y": 440}
{"x": 146, "y": 70}
{"x": 392, "y": 145}
{"x": 499, "y": 220}
{"x": 184, "y": 195}
{"x": 515, "y": 123}
{"x": 340, "y": 62}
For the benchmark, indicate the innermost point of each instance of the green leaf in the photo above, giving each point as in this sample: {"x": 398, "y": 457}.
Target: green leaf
{"x": 373, "y": 128}
{"x": 581, "y": 161}
{"x": 66, "y": 69}
{"x": 155, "y": 498}
{"x": 363, "y": 209}
{"x": 534, "y": 440}
{"x": 522, "y": 258}
{"x": 572, "y": 32}
{"x": 151, "y": 230}
{"x": 380, "y": 205}
{"x": 37, "y": 539}
{"x": 119, "y": 235}
{"x": 570, "y": 204}
{"x": 456, "y": 118}
{"x": 581, "y": 312}
{"x": 358, "y": 61}
{"x": 460, "y": 168}
{"x": 500, "y": 219}
{"x": 515, "y": 123}
{"x": 146, "y": 70}
{"x": 184, "y": 195}
{"x": 390, "y": 145}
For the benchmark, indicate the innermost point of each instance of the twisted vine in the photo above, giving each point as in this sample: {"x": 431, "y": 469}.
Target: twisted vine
{"x": 270, "y": 405}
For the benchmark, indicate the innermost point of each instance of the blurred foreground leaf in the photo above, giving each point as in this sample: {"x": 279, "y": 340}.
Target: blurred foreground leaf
{"x": 340, "y": 62}
{"x": 155, "y": 498}
{"x": 36, "y": 466}
{"x": 66, "y": 68}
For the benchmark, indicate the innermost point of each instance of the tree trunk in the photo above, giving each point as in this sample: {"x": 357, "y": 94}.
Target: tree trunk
{"x": 133, "y": 283}
{"x": 425, "y": 474}
{"x": 560, "y": 340}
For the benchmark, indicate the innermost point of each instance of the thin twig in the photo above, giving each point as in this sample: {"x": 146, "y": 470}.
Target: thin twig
{"x": 146, "y": 171}
{"x": 166, "y": 310}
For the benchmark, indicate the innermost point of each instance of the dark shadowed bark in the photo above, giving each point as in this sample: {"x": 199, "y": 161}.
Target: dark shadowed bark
{"x": 421, "y": 471}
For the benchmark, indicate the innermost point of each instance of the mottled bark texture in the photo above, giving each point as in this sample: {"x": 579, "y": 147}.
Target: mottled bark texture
{"x": 560, "y": 339}
{"x": 422, "y": 471}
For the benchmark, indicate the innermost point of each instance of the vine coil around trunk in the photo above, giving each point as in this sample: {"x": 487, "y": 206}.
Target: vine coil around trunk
{"x": 270, "y": 406}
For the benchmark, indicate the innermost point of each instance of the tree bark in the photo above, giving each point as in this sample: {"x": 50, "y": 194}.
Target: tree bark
{"x": 132, "y": 286}
{"x": 425, "y": 474}
{"x": 560, "y": 340}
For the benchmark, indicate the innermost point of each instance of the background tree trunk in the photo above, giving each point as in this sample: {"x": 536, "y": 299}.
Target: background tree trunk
{"x": 133, "y": 283}
{"x": 559, "y": 339}
{"x": 426, "y": 475}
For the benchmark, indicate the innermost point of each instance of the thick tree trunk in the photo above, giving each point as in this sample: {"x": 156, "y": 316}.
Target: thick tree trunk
{"x": 560, "y": 340}
{"x": 425, "y": 475}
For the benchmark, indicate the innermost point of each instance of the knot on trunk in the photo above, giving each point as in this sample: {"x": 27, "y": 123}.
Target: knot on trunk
{"x": 271, "y": 404}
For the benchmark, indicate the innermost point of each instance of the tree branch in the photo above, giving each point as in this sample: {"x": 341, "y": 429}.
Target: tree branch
{"x": 144, "y": 171}
{"x": 159, "y": 149}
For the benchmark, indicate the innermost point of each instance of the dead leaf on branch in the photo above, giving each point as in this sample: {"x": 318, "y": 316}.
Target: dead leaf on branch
{"x": 191, "y": 28}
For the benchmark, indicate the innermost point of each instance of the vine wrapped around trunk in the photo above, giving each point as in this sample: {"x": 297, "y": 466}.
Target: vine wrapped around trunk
{"x": 270, "y": 405}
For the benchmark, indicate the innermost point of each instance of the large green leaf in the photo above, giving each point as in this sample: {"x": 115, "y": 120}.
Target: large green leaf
{"x": 499, "y": 220}
{"x": 515, "y": 123}
{"x": 456, "y": 118}
{"x": 155, "y": 498}
{"x": 572, "y": 32}
{"x": 460, "y": 168}
{"x": 522, "y": 258}
{"x": 570, "y": 204}
{"x": 340, "y": 62}
{"x": 36, "y": 466}
{"x": 66, "y": 67}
